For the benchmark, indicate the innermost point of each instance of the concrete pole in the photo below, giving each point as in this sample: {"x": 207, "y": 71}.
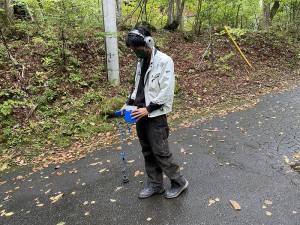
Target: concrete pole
{"x": 111, "y": 41}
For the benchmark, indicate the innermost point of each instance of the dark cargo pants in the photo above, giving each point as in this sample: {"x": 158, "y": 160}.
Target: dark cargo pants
{"x": 153, "y": 136}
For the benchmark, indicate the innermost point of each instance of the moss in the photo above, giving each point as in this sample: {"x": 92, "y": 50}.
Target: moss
{"x": 110, "y": 105}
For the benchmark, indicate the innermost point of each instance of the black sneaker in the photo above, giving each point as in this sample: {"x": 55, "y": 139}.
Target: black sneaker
{"x": 174, "y": 191}
{"x": 149, "y": 191}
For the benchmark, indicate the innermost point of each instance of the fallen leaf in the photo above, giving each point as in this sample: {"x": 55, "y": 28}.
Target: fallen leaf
{"x": 268, "y": 213}
{"x": 86, "y": 202}
{"x": 268, "y": 202}
{"x": 137, "y": 173}
{"x": 73, "y": 193}
{"x": 93, "y": 202}
{"x": 86, "y": 213}
{"x": 149, "y": 219}
{"x": 61, "y": 223}
{"x": 264, "y": 207}
{"x": 118, "y": 189}
{"x": 57, "y": 167}
{"x": 131, "y": 161}
{"x": 82, "y": 156}
{"x": 129, "y": 143}
{"x": 4, "y": 167}
{"x": 47, "y": 191}
{"x": 7, "y": 198}
{"x": 211, "y": 201}
{"x": 182, "y": 151}
{"x": 101, "y": 171}
{"x": 40, "y": 205}
{"x": 9, "y": 214}
{"x": 56, "y": 198}
{"x": 96, "y": 163}
{"x": 2, "y": 182}
{"x": 113, "y": 200}
{"x": 295, "y": 212}
{"x": 119, "y": 148}
{"x": 235, "y": 205}
{"x": 286, "y": 159}
{"x": 73, "y": 171}
{"x": 59, "y": 173}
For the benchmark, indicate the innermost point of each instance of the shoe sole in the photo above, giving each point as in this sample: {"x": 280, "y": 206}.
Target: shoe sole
{"x": 147, "y": 196}
{"x": 185, "y": 186}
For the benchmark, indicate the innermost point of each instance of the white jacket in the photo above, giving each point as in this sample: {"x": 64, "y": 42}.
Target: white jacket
{"x": 159, "y": 82}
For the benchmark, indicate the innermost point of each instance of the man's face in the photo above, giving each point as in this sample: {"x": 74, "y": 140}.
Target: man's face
{"x": 141, "y": 51}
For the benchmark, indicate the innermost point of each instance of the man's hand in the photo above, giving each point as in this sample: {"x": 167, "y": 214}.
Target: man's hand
{"x": 139, "y": 113}
{"x": 122, "y": 109}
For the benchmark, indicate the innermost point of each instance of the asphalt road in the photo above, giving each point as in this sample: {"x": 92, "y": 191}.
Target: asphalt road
{"x": 241, "y": 156}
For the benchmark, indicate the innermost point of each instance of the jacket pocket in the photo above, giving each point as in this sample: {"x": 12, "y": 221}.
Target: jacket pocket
{"x": 154, "y": 81}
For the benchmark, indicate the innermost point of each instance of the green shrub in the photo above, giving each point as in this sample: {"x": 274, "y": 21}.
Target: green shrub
{"x": 50, "y": 95}
{"x": 110, "y": 105}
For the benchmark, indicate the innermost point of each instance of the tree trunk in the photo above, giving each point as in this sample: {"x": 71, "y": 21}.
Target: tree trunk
{"x": 111, "y": 41}
{"x": 266, "y": 15}
{"x": 180, "y": 5}
{"x": 144, "y": 16}
{"x": 269, "y": 12}
{"x": 119, "y": 10}
{"x": 174, "y": 20}
{"x": 170, "y": 12}
{"x": 7, "y": 16}
{"x": 274, "y": 9}
{"x": 237, "y": 16}
{"x": 182, "y": 19}
{"x": 198, "y": 22}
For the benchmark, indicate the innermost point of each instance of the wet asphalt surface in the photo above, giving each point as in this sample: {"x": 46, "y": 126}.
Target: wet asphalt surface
{"x": 241, "y": 157}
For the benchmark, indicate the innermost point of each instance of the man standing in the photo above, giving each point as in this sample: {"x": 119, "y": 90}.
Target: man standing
{"x": 153, "y": 94}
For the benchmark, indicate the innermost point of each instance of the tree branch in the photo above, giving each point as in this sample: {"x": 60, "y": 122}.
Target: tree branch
{"x": 136, "y": 7}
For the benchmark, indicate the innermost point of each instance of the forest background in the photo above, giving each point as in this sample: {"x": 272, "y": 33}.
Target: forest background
{"x": 55, "y": 98}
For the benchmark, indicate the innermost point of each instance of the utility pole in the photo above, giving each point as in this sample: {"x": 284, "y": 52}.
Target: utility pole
{"x": 111, "y": 41}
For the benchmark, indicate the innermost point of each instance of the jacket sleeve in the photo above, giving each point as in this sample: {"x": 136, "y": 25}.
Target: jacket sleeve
{"x": 152, "y": 106}
{"x": 166, "y": 83}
